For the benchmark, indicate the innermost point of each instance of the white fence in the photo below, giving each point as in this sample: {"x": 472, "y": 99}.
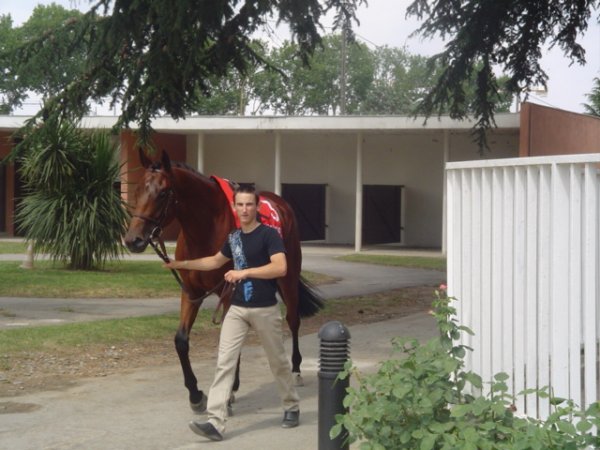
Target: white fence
{"x": 523, "y": 261}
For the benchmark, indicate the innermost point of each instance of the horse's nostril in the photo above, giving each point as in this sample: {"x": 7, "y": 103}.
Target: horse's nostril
{"x": 138, "y": 245}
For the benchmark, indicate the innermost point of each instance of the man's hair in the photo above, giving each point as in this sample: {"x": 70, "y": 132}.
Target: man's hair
{"x": 245, "y": 189}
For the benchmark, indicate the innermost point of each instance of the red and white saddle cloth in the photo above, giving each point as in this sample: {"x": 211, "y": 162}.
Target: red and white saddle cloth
{"x": 267, "y": 214}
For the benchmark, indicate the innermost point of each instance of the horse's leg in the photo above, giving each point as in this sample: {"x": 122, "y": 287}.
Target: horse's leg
{"x": 236, "y": 386}
{"x": 289, "y": 291}
{"x": 188, "y": 314}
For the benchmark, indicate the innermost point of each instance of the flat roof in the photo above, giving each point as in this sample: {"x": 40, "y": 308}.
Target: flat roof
{"x": 284, "y": 123}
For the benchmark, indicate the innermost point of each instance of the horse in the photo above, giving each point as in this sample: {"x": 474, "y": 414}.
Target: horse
{"x": 174, "y": 191}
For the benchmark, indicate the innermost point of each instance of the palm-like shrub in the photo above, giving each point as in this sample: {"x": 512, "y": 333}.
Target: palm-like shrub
{"x": 71, "y": 209}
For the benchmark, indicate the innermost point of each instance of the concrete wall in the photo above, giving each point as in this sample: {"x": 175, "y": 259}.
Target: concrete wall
{"x": 503, "y": 144}
{"x": 330, "y": 159}
{"x": 414, "y": 160}
{"x": 242, "y": 158}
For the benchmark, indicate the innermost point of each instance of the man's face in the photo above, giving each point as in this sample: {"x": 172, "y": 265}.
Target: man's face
{"x": 245, "y": 207}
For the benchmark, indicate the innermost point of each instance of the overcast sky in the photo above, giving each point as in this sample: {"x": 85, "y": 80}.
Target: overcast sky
{"x": 383, "y": 23}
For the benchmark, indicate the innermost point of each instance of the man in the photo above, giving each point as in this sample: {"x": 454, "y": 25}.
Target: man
{"x": 259, "y": 259}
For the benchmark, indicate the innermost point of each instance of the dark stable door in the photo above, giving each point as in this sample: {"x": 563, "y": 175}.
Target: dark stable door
{"x": 381, "y": 214}
{"x": 308, "y": 203}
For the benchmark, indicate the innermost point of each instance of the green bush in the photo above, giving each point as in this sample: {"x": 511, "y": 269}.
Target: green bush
{"x": 71, "y": 209}
{"x": 421, "y": 401}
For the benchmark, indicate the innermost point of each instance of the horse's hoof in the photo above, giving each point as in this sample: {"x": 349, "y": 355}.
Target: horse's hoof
{"x": 230, "y": 406}
{"x": 298, "y": 381}
{"x": 199, "y": 407}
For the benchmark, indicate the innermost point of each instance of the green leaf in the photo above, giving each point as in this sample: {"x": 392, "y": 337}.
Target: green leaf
{"x": 584, "y": 426}
{"x": 566, "y": 427}
{"x": 335, "y": 431}
{"x": 428, "y": 442}
{"x": 501, "y": 376}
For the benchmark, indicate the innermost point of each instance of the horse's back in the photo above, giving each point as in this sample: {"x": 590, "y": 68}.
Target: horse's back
{"x": 289, "y": 228}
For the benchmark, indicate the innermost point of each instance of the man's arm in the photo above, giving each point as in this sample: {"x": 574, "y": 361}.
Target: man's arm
{"x": 277, "y": 268}
{"x": 206, "y": 263}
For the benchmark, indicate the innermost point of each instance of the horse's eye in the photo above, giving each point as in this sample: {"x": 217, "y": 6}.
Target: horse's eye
{"x": 161, "y": 194}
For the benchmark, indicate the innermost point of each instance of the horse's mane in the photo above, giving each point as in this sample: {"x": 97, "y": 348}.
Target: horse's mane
{"x": 157, "y": 165}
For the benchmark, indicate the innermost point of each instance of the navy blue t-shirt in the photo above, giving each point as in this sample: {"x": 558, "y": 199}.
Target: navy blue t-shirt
{"x": 249, "y": 250}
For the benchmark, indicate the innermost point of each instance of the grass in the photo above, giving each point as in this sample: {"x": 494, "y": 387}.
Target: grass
{"x": 67, "y": 338}
{"x": 124, "y": 279}
{"x": 420, "y": 262}
{"x": 103, "y": 332}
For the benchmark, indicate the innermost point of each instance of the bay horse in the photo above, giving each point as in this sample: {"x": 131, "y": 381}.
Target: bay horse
{"x": 169, "y": 191}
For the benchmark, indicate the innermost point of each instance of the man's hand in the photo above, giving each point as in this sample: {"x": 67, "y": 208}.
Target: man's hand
{"x": 233, "y": 276}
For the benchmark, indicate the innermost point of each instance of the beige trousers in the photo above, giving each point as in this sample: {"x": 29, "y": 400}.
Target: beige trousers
{"x": 267, "y": 323}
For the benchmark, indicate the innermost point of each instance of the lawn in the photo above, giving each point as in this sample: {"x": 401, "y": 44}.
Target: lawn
{"x": 420, "y": 262}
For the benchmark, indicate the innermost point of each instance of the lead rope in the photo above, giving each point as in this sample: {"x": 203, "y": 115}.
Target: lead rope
{"x": 225, "y": 293}
{"x": 162, "y": 254}
{"x": 161, "y": 251}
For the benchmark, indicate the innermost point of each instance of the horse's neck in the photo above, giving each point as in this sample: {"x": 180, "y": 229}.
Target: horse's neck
{"x": 204, "y": 214}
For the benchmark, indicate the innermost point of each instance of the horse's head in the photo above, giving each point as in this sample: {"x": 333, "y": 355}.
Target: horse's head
{"x": 155, "y": 203}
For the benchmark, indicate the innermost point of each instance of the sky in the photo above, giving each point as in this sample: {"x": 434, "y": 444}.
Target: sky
{"x": 383, "y": 22}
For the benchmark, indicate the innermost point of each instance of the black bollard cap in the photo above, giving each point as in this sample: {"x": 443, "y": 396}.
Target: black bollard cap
{"x": 334, "y": 331}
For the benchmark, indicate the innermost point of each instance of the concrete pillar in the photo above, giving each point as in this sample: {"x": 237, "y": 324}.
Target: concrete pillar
{"x": 359, "y": 193}
{"x": 444, "y": 189}
{"x": 277, "y": 179}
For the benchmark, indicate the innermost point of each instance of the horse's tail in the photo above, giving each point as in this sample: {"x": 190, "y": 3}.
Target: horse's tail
{"x": 309, "y": 301}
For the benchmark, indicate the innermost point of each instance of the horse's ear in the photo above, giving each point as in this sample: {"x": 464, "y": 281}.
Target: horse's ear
{"x": 144, "y": 159}
{"x": 166, "y": 161}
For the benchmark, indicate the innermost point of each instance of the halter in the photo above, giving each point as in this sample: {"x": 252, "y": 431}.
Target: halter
{"x": 155, "y": 237}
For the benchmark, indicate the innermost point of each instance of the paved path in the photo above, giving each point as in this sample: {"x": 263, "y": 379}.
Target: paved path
{"x": 355, "y": 279}
{"x": 147, "y": 408}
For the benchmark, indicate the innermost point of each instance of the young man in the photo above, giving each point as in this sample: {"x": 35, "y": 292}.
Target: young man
{"x": 258, "y": 254}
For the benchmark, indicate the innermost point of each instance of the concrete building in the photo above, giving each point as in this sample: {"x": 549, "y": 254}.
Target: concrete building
{"x": 351, "y": 180}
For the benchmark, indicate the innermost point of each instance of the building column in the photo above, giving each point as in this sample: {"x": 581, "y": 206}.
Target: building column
{"x": 277, "y": 178}
{"x": 444, "y": 190}
{"x": 194, "y": 151}
{"x": 359, "y": 193}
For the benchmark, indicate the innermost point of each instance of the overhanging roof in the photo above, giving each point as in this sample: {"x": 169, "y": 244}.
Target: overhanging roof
{"x": 230, "y": 124}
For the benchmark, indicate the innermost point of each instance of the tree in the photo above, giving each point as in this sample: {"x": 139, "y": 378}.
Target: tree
{"x": 315, "y": 88}
{"x": 400, "y": 81}
{"x": 381, "y": 81}
{"x": 71, "y": 209}
{"x": 51, "y": 68}
{"x": 487, "y": 34}
{"x": 8, "y": 42}
{"x": 157, "y": 56}
{"x": 593, "y": 107}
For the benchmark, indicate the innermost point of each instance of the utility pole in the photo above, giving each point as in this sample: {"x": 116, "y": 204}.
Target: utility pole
{"x": 343, "y": 72}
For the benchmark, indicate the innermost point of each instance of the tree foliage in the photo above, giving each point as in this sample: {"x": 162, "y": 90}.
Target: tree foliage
{"x": 179, "y": 57}
{"x": 157, "y": 57}
{"x": 486, "y": 34}
{"x": 593, "y": 107}
{"x": 49, "y": 71}
{"x": 381, "y": 81}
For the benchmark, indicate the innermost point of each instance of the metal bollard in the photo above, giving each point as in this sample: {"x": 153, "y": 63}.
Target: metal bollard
{"x": 333, "y": 353}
